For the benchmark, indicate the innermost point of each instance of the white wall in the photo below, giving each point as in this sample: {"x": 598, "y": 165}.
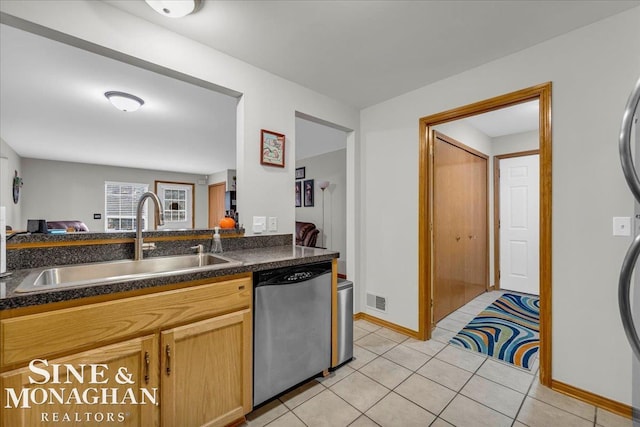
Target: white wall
{"x": 316, "y": 138}
{"x": 593, "y": 69}
{"x": 67, "y": 191}
{"x": 268, "y": 101}
{"x": 9, "y": 163}
{"x": 225, "y": 176}
{"x": 217, "y": 178}
{"x": 467, "y": 134}
{"x": 330, "y": 167}
{"x": 515, "y": 143}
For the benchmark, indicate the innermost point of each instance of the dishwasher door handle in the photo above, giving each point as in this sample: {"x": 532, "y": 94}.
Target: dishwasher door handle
{"x": 293, "y": 276}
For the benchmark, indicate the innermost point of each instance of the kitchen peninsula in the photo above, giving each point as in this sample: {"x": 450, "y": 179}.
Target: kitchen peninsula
{"x": 183, "y": 337}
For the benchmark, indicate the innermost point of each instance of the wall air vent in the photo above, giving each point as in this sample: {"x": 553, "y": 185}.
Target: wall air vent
{"x": 377, "y": 302}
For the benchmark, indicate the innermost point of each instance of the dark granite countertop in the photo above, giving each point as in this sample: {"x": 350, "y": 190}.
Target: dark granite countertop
{"x": 254, "y": 259}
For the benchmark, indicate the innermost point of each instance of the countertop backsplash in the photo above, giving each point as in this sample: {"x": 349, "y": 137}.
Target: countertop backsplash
{"x": 43, "y": 250}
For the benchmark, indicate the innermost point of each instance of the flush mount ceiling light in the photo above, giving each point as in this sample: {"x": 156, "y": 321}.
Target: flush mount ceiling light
{"x": 124, "y": 101}
{"x": 174, "y": 8}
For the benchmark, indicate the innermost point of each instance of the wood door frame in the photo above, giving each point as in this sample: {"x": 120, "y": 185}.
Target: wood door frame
{"x": 449, "y": 140}
{"x": 496, "y": 209}
{"x": 215, "y": 184}
{"x": 542, "y": 93}
{"x": 193, "y": 199}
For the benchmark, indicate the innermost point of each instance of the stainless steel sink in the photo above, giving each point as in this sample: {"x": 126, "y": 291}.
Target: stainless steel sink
{"x": 82, "y": 275}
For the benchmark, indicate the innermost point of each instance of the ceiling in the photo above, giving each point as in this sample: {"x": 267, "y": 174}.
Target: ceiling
{"x": 361, "y": 52}
{"x": 517, "y": 118}
{"x": 53, "y": 107}
{"x": 365, "y": 52}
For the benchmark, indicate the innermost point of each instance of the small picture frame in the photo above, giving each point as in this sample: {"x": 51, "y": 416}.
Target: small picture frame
{"x": 308, "y": 192}
{"x": 298, "y": 194}
{"x": 300, "y": 172}
{"x": 271, "y": 148}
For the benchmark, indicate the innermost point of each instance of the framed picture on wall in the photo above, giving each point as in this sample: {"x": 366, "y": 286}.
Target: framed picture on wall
{"x": 308, "y": 192}
{"x": 271, "y": 148}
{"x": 300, "y": 173}
{"x": 298, "y": 194}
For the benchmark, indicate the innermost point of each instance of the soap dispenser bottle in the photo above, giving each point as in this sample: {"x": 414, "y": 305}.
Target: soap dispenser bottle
{"x": 217, "y": 243}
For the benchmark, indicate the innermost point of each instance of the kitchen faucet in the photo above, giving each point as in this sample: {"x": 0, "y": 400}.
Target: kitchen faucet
{"x": 138, "y": 242}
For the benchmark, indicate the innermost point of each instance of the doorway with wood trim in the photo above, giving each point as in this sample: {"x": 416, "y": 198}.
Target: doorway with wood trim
{"x": 516, "y": 221}
{"x": 426, "y": 268}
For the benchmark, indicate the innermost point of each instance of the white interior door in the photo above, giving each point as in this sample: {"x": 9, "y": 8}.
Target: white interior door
{"x": 177, "y": 205}
{"x": 520, "y": 224}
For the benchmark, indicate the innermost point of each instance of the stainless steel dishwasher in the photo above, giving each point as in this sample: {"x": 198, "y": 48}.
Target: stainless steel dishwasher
{"x": 291, "y": 327}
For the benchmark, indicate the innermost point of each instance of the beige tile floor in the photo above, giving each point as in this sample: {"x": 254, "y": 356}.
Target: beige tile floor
{"x": 397, "y": 381}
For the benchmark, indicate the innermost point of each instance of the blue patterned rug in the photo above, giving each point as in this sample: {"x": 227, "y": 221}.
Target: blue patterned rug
{"x": 508, "y": 330}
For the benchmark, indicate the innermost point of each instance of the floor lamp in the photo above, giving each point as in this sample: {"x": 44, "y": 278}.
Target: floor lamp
{"x": 323, "y": 186}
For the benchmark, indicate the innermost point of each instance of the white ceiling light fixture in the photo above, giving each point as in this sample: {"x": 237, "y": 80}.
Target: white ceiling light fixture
{"x": 174, "y": 8}
{"x": 124, "y": 101}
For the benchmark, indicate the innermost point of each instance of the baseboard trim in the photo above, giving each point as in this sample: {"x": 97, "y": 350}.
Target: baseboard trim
{"x": 380, "y": 322}
{"x": 575, "y": 392}
{"x": 592, "y": 398}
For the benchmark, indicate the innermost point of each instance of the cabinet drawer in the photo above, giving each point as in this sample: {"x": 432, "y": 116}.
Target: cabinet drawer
{"x": 56, "y": 332}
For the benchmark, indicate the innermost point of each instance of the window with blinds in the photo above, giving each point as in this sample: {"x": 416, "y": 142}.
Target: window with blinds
{"x": 120, "y": 204}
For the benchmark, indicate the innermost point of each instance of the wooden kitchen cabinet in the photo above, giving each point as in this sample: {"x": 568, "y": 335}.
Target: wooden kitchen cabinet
{"x": 192, "y": 344}
{"x": 206, "y": 367}
{"x": 136, "y": 356}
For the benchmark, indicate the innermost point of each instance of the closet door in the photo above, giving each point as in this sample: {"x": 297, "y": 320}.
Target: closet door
{"x": 460, "y": 263}
{"x": 476, "y": 230}
{"x": 449, "y": 197}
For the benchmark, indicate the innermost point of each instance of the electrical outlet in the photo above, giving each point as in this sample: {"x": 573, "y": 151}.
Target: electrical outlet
{"x": 273, "y": 223}
{"x": 621, "y": 226}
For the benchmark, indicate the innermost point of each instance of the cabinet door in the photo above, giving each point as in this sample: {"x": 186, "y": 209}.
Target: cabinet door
{"x": 123, "y": 405}
{"x": 206, "y": 374}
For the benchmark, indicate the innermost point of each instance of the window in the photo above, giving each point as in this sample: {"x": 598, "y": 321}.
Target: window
{"x": 175, "y": 205}
{"x": 121, "y": 202}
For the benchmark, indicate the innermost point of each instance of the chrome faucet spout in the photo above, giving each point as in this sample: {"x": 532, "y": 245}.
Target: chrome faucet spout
{"x": 138, "y": 242}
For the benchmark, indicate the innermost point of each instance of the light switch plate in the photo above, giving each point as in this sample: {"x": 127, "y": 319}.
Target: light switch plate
{"x": 259, "y": 224}
{"x": 621, "y": 226}
{"x": 273, "y": 223}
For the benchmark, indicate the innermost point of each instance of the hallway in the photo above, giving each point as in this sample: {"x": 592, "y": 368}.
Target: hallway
{"x": 399, "y": 381}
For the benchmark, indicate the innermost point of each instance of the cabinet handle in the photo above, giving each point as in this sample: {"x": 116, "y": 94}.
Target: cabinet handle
{"x": 147, "y": 360}
{"x": 168, "y": 352}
